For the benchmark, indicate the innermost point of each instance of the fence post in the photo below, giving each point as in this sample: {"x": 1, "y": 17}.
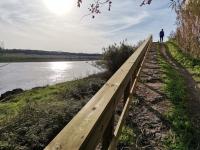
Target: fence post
{"x": 108, "y": 134}
{"x": 127, "y": 91}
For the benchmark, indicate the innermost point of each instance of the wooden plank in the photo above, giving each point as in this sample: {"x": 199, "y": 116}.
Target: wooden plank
{"x": 126, "y": 107}
{"x": 127, "y": 91}
{"x": 108, "y": 134}
{"x": 86, "y": 129}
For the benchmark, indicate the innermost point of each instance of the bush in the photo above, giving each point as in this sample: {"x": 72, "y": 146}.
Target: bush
{"x": 115, "y": 55}
{"x": 41, "y": 113}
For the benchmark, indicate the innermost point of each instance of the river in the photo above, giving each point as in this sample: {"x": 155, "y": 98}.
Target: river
{"x": 33, "y": 74}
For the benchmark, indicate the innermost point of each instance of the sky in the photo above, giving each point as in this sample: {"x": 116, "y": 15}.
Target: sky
{"x": 32, "y": 24}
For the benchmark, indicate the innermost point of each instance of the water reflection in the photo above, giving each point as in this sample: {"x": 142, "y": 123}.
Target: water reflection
{"x": 33, "y": 74}
{"x": 60, "y": 66}
{"x": 60, "y": 70}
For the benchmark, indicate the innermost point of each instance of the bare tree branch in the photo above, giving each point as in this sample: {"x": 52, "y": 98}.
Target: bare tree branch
{"x": 95, "y": 7}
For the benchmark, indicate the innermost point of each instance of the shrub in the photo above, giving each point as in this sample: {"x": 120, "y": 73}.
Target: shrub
{"x": 115, "y": 55}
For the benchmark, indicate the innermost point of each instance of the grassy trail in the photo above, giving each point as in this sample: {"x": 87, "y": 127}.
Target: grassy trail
{"x": 192, "y": 65}
{"x": 185, "y": 113}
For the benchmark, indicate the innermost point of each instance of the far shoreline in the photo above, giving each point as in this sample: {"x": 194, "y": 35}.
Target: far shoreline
{"x": 48, "y": 60}
{"x": 20, "y": 55}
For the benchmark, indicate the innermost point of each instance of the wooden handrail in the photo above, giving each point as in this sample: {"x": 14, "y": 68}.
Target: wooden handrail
{"x": 95, "y": 121}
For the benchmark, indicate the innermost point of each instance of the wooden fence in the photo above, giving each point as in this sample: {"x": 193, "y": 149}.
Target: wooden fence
{"x": 95, "y": 121}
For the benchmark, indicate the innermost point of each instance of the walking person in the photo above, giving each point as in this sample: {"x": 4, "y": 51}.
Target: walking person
{"x": 162, "y": 34}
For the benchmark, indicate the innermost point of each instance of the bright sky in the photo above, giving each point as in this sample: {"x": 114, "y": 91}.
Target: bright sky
{"x": 49, "y": 25}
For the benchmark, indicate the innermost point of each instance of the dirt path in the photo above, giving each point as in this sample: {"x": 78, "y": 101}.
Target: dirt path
{"x": 193, "y": 97}
{"x": 146, "y": 115}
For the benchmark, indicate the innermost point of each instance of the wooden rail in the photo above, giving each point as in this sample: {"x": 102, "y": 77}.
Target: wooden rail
{"x": 95, "y": 121}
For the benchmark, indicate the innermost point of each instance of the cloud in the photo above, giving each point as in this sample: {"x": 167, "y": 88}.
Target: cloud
{"x": 130, "y": 21}
{"x": 29, "y": 24}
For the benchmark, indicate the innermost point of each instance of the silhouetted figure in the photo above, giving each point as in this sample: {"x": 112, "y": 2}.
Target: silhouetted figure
{"x": 162, "y": 34}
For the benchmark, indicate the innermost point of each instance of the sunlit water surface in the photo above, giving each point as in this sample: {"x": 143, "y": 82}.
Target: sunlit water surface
{"x": 33, "y": 74}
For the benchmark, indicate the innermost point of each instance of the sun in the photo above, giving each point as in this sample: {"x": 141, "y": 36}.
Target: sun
{"x": 59, "y": 7}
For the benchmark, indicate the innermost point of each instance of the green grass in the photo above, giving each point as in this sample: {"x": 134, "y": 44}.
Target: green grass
{"x": 192, "y": 64}
{"x": 44, "y": 95}
{"x": 31, "y": 119}
{"x": 130, "y": 131}
{"x": 182, "y": 135}
{"x": 128, "y": 136}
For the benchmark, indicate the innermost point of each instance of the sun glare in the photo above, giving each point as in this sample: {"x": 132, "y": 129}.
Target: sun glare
{"x": 59, "y": 7}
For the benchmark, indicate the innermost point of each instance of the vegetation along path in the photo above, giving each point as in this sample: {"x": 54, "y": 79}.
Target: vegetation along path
{"x": 193, "y": 97}
{"x": 158, "y": 117}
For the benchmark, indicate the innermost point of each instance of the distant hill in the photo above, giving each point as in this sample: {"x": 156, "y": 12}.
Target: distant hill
{"x": 21, "y": 55}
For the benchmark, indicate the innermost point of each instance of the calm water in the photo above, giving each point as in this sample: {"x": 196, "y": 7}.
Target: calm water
{"x": 33, "y": 74}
